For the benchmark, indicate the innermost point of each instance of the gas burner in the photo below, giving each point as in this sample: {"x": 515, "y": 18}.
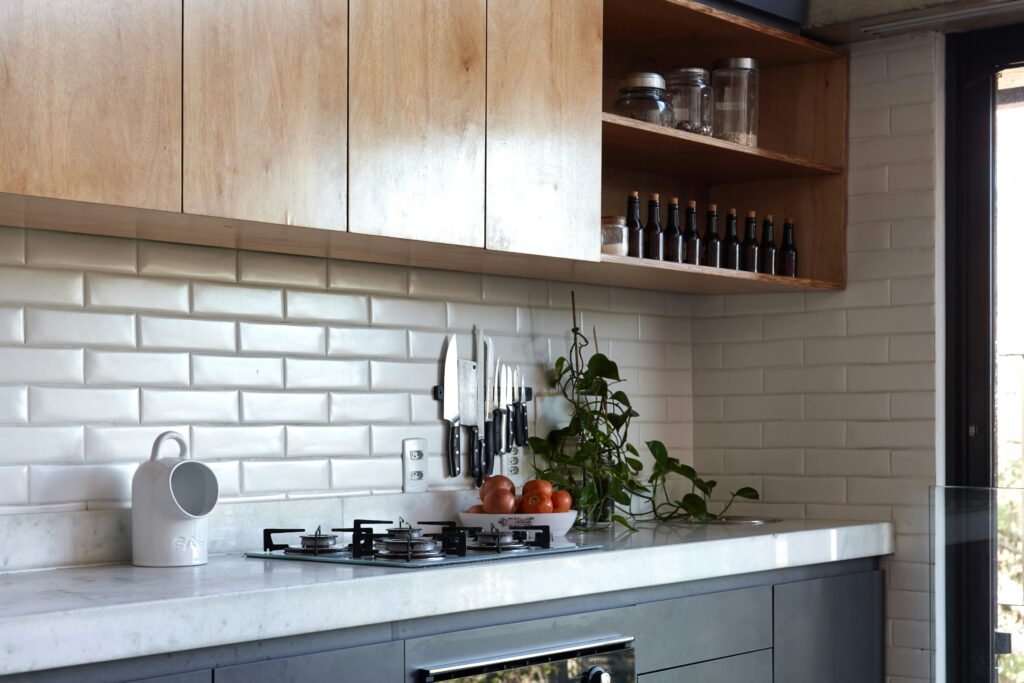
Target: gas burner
{"x": 499, "y": 541}
{"x": 404, "y": 530}
{"x": 316, "y": 543}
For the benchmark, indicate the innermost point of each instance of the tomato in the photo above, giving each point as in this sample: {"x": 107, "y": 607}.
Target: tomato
{"x": 500, "y": 502}
{"x": 562, "y": 501}
{"x": 496, "y": 482}
{"x": 536, "y": 503}
{"x": 475, "y": 509}
{"x": 541, "y": 486}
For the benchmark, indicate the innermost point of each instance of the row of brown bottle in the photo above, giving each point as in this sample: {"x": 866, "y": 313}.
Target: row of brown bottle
{"x": 687, "y": 244}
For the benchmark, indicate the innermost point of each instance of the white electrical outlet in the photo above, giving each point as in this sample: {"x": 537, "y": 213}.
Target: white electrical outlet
{"x": 414, "y": 465}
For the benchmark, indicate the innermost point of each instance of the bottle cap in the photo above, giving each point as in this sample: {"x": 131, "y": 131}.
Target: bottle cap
{"x": 751, "y": 214}
{"x": 674, "y": 200}
{"x": 692, "y": 204}
{"x": 769, "y": 217}
{"x": 789, "y": 220}
{"x": 713, "y": 207}
{"x": 634, "y": 194}
{"x": 655, "y": 196}
{"x": 732, "y": 212}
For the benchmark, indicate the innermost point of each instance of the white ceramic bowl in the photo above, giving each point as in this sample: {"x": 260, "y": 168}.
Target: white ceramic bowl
{"x": 558, "y": 522}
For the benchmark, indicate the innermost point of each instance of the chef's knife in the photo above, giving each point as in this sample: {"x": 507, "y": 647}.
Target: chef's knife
{"x": 490, "y": 444}
{"x": 500, "y": 412}
{"x": 451, "y": 406}
{"x": 506, "y": 407}
{"x": 524, "y": 427}
{"x": 469, "y": 409}
{"x": 519, "y": 424}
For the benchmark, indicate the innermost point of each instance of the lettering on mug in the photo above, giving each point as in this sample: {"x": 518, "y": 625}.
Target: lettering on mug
{"x": 189, "y": 542}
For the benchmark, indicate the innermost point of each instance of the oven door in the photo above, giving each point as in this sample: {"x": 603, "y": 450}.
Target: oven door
{"x": 606, "y": 661}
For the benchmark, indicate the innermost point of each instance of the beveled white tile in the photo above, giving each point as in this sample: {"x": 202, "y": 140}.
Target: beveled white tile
{"x": 336, "y": 440}
{"x": 74, "y": 327}
{"x": 12, "y": 246}
{"x": 63, "y": 484}
{"x": 41, "y": 509}
{"x": 234, "y": 300}
{"x": 41, "y": 444}
{"x": 270, "y": 338}
{"x": 238, "y": 442}
{"x": 13, "y": 405}
{"x": 407, "y": 312}
{"x": 14, "y": 485}
{"x": 366, "y": 342}
{"x": 137, "y": 293}
{"x": 185, "y": 333}
{"x": 445, "y": 284}
{"x": 369, "y": 407}
{"x": 40, "y": 366}
{"x": 130, "y": 444}
{"x": 136, "y": 368}
{"x": 232, "y": 371}
{"x": 367, "y": 277}
{"x": 614, "y": 326}
{"x": 282, "y": 269}
{"x": 411, "y": 376}
{"x": 638, "y": 301}
{"x": 593, "y": 297}
{"x": 229, "y": 476}
{"x": 432, "y": 345}
{"x": 387, "y": 439}
{"x": 285, "y": 475}
{"x": 29, "y": 286}
{"x": 303, "y": 373}
{"x": 327, "y": 306}
{"x": 12, "y": 325}
{"x": 376, "y": 475}
{"x": 185, "y": 260}
{"x": 52, "y": 404}
{"x": 280, "y": 407}
{"x": 70, "y": 250}
{"x": 490, "y": 318}
{"x": 169, "y": 406}
{"x": 515, "y": 290}
{"x": 425, "y": 408}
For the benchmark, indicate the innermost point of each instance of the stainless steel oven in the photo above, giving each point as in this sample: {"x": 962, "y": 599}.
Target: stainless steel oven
{"x": 604, "y": 661}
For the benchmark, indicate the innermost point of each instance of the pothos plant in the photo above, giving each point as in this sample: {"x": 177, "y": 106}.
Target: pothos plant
{"x": 592, "y": 458}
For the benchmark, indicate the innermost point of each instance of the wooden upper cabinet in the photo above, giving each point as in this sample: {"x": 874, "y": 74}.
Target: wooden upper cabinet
{"x": 90, "y": 101}
{"x": 265, "y": 103}
{"x": 544, "y": 127}
{"x": 416, "y": 119}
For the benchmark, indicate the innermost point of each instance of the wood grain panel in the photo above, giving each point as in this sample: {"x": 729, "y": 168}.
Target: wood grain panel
{"x": 265, "y": 110}
{"x": 90, "y": 100}
{"x": 417, "y": 103}
{"x": 544, "y": 127}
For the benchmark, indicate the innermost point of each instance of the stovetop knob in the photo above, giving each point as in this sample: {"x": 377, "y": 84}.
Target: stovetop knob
{"x": 598, "y": 675}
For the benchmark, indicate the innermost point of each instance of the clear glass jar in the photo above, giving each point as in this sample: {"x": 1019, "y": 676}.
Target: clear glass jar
{"x": 642, "y": 96}
{"x": 614, "y": 235}
{"x": 735, "y": 100}
{"x": 689, "y": 91}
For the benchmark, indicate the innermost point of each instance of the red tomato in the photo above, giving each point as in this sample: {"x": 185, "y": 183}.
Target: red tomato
{"x": 500, "y": 502}
{"x": 537, "y": 503}
{"x": 539, "y": 486}
{"x": 562, "y": 501}
{"x": 496, "y": 482}
{"x": 475, "y": 509}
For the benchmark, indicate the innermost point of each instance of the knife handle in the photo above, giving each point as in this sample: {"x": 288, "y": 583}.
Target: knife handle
{"x": 454, "y": 449}
{"x": 488, "y": 452}
{"x": 474, "y": 460}
{"x": 526, "y": 425}
{"x": 520, "y": 425}
{"x": 510, "y": 432}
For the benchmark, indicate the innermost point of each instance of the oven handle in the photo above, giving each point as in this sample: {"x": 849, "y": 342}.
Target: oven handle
{"x": 568, "y": 649}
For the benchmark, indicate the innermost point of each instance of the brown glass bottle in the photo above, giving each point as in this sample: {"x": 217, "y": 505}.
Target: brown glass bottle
{"x": 731, "y": 243}
{"x": 751, "y": 249}
{"x": 675, "y": 250}
{"x": 769, "y": 252}
{"x": 712, "y": 242}
{"x": 692, "y": 240}
{"x": 654, "y": 238}
{"x": 787, "y": 254}
{"x": 634, "y": 227}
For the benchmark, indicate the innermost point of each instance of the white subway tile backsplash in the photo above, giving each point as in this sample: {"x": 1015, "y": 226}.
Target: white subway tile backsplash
{"x": 742, "y": 408}
{"x": 913, "y": 463}
{"x": 132, "y": 444}
{"x": 901, "y": 434}
{"x": 909, "y": 348}
{"x": 291, "y": 339}
{"x": 806, "y": 489}
{"x": 69, "y": 250}
{"x": 593, "y": 297}
{"x": 59, "y": 484}
{"x": 234, "y": 300}
{"x": 282, "y": 407}
{"x": 133, "y": 368}
{"x": 13, "y": 405}
{"x": 805, "y": 325}
{"x": 12, "y": 246}
{"x": 229, "y": 477}
{"x": 54, "y": 405}
{"x": 238, "y": 442}
{"x": 327, "y": 306}
{"x": 843, "y": 351}
{"x": 442, "y": 284}
{"x": 848, "y": 462}
{"x": 387, "y": 439}
{"x": 880, "y": 265}
{"x": 764, "y": 461}
{"x": 387, "y": 375}
{"x": 306, "y": 441}
{"x": 493, "y": 319}
{"x": 913, "y": 118}
{"x": 653, "y": 328}
{"x": 883, "y": 490}
{"x": 139, "y": 293}
{"x": 868, "y": 236}
{"x": 813, "y": 380}
{"x": 739, "y": 329}
{"x": 187, "y": 261}
{"x": 41, "y": 444}
{"x": 661, "y": 383}
{"x": 541, "y": 321}
{"x": 74, "y": 327}
{"x": 919, "y": 290}
{"x": 407, "y": 313}
{"x": 759, "y": 304}
{"x": 184, "y": 333}
{"x": 12, "y": 325}
{"x": 514, "y": 290}
{"x": 804, "y": 434}
{"x": 913, "y": 232}
{"x": 285, "y": 475}
{"x": 763, "y": 354}
{"x": 729, "y": 435}
{"x": 170, "y": 406}
{"x": 856, "y": 295}
{"x": 14, "y": 485}
{"x": 728, "y": 382}
{"x": 367, "y": 342}
{"x": 916, "y": 405}
{"x": 40, "y": 366}
{"x": 242, "y": 372}
{"x": 367, "y": 277}
{"x": 29, "y": 286}
{"x": 377, "y": 475}
{"x": 282, "y": 269}
{"x": 847, "y": 407}
{"x": 303, "y": 373}
{"x": 369, "y": 407}
{"x": 891, "y": 377}
{"x": 635, "y": 354}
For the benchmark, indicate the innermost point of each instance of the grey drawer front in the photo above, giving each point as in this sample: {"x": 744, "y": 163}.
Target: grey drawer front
{"x": 674, "y": 633}
{"x": 191, "y": 677}
{"x": 753, "y": 667}
{"x": 369, "y": 664}
{"x": 830, "y": 629}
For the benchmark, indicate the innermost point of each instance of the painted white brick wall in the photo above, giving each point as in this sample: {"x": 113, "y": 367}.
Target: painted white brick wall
{"x": 827, "y": 400}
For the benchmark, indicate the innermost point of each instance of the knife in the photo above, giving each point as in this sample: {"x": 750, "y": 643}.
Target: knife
{"x": 524, "y": 425}
{"x": 506, "y": 408}
{"x": 500, "y": 414}
{"x": 468, "y": 410}
{"x": 451, "y": 406}
{"x": 519, "y": 409}
{"x": 490, "y": 445}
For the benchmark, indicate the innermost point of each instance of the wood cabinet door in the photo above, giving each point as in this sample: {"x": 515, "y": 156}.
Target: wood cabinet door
{"x": 90, "y": 101}
{"x": 265, "y": 108}
{"x": 416, "y": 119}
{"x": 544, "y": 127}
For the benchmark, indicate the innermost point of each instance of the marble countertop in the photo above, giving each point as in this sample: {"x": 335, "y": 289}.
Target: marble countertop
{"x": 65, "y": 617}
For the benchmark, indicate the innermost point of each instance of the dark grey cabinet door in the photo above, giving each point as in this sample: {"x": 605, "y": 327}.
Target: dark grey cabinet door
{"x": 205, "y": 676}
{"x": 753, "y": 667}
{"x": 368, "y": 664}
{"x": 831, "y": 629}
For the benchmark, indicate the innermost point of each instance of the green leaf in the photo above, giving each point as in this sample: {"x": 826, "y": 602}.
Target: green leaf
{"x": 659, "y": 452}
{"x": 702, "y": 486}
{"x": 695, "y": 505}
{"x": 539, "y": 446}
{"x": 621, "y": 397}
{"x": 632, "y": 449}
{"x": 634, "y": 464}
{"x": 623, "y": 521}
{"x": 683, "y": 469}
{"x": 748, "y": 493}
{"x": 600, "y": 365}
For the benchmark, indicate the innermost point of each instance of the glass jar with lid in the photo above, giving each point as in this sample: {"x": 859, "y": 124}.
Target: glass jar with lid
{"x": 735, "y": 100}
{"x": 642, "y": 96}
{"x": 689, "y": 91}
{"x": 614, "y": 235}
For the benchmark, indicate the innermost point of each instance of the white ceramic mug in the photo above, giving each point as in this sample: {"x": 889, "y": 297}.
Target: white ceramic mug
{"x": 171, "y": 498}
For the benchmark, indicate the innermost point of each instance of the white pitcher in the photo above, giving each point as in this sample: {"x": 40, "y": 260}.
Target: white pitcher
{"x": 171, "y": 498}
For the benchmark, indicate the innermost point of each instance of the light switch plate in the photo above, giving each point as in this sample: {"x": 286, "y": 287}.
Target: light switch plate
{"x": 414, "y": 465}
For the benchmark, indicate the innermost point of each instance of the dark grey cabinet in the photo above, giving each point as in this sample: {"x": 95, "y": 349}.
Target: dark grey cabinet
{"x": 368, "y": 664}
{"x": 753, "y": 667}
{"x": 830, "y": 629}
{"x": 205, "y": 676}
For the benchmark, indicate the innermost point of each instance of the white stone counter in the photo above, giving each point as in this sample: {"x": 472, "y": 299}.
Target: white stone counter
{"x": 75, "y": 616}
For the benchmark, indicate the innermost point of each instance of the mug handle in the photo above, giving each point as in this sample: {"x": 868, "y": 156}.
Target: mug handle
{"x": 173, "y": 436}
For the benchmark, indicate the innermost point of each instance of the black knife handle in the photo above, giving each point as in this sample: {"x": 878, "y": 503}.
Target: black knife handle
{"x": 454, "y": 449}
{"x": 526, "y": 425}
{"x": 520, "y": 425}
{"x": 488, "y": 449}
{"x": 474, "y": 454}
{"x": 510, "y": 432}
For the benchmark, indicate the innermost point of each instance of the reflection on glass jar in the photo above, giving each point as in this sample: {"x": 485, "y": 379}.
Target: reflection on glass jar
{"x": 735, "y": 100}
{"x": 642, "y": 96}
{"x": 614, "y": 235}
{"x": 689, "y": 91}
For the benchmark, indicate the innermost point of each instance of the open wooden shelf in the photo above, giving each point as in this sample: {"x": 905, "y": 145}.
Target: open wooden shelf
{"x": 637, "y": 144}
{"x": 683, "y": 277}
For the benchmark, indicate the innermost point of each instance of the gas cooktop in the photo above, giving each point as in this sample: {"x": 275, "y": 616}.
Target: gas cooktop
{"x": 405, "y": 545}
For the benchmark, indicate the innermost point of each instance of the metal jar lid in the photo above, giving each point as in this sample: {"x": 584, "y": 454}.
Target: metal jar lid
{"x": 613, "y": 220}
{"x": 690, "y": 72}
{"x": 736, "y": 63}
{"x": 643, "y": 79}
